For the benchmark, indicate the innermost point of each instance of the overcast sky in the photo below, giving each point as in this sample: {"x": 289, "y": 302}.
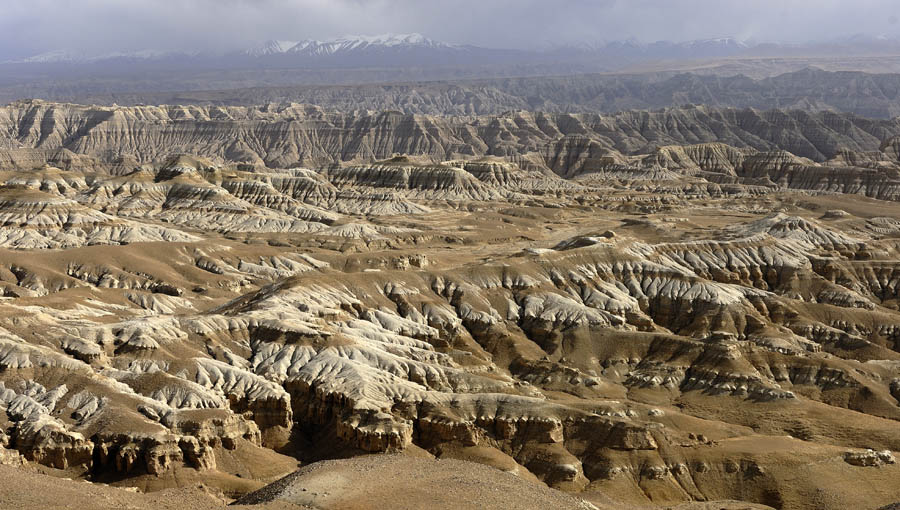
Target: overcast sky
{"x": 33, "y": 26}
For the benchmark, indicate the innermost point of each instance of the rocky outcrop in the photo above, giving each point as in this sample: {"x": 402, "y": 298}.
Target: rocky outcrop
{"x": 869, "y": 458}
{"x": 34, "y": 220}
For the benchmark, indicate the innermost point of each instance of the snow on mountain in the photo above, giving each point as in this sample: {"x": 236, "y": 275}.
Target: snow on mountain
{"x": 416, "y": 49}
{"x": 353, "y": 43}
{"x": 52, "y": 57}
{"x": 387, "y": 47}
{"x": 390, "y": 40}
{"x": 71, "y": 57}
{"x": 341, "y": 45}
{"x": 270, "y": 47}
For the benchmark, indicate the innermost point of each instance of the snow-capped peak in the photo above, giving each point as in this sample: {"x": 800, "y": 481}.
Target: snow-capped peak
{"x": 389, "y": 40}
{"x": 358, "y": 42}
{"x": 271, "y": 47}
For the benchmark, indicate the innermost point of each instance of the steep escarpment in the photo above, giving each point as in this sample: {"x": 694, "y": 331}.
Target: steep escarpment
{"x": 812, "y": 89}
{"x": 294, "y": 135}
{"x": 875, "y": 174}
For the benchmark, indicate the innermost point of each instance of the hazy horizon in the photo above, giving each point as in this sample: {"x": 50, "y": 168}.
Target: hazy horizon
{"x": 96, "y": 26}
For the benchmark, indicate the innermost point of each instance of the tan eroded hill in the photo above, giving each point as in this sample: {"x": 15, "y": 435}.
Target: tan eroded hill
{"x": 694, "y": 324}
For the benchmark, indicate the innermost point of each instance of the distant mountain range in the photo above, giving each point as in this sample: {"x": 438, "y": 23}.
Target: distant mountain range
{"x": 587, "y": 77}
{"x": 305, "y": 51}
{"x": 416, "y": 49}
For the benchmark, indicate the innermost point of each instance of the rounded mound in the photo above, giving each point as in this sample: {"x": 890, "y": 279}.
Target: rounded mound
{"x": 400, "y": 481}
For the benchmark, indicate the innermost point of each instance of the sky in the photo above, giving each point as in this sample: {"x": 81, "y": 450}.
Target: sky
{"x": 28, "y": 27}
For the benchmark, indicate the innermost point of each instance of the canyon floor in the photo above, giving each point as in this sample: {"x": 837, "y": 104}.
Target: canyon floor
{"x": 689, "y": 326}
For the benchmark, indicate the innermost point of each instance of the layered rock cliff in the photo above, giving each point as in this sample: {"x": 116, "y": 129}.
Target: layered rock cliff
{"x": 296, "y": 135}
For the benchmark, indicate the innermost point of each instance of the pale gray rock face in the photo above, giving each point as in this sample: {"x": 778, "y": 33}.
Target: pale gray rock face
{"x": 762, "y": 83}
{"x": 291, "y": 135}
{"x": 870, "y": 458}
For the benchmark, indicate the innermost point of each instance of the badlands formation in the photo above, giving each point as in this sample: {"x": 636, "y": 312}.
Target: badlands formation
{"x": 689, "y": 308}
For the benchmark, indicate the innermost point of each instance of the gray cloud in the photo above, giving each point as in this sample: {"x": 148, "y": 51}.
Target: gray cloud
{"x": 33, "y": 26}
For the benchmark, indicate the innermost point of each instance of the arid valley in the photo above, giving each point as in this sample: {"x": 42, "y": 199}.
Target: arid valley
{"x": 624, "y": 277}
